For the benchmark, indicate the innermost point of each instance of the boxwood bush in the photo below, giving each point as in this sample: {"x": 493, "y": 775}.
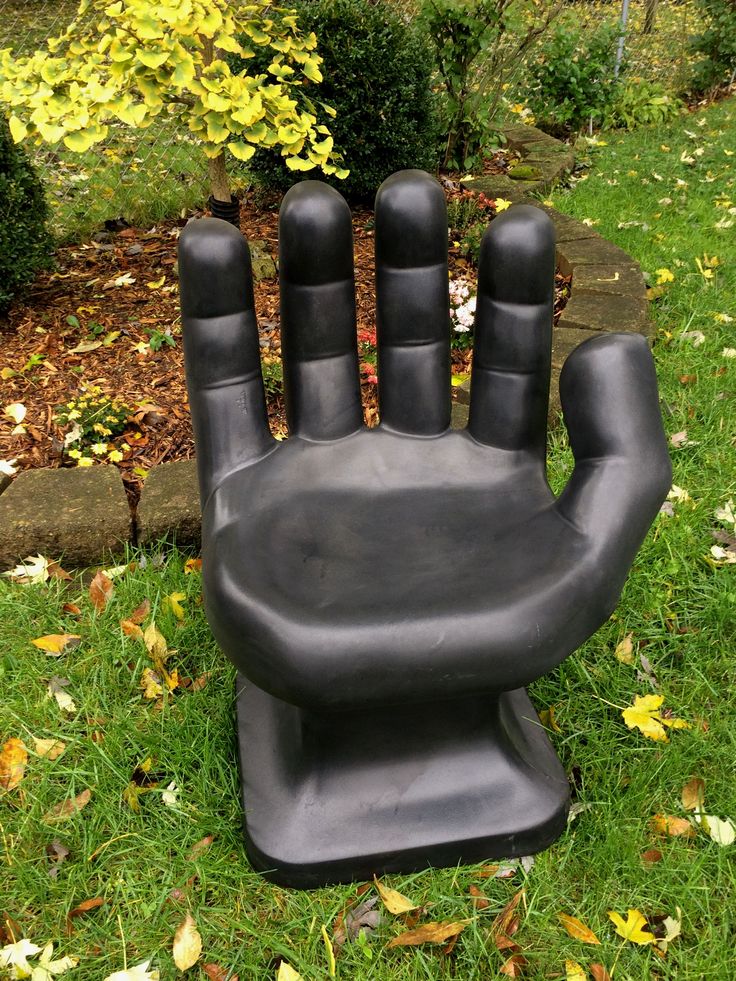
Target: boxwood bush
{"x": 25, "y": 242}
{"x": 377, "y": 75}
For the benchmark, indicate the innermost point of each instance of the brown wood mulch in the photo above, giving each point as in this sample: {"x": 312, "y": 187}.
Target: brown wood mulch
{"x": 118, "y": 292}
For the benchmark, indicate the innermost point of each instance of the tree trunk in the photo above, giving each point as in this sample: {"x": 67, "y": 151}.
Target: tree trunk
{"x": 219, "y": 183}
{"x": 649, "y": 16}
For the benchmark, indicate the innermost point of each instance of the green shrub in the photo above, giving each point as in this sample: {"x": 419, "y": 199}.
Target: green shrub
{"x": 25, "y": 243}
{"x": 377, "y": 75}
{"x": 573, "y": 78}
{"x": 717, "y": 44}
{"x": 641, "y": 103}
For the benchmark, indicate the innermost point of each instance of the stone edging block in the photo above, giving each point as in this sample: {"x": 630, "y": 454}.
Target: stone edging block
{"x": 78, "y": 515}
{"x": 169, "y": 505}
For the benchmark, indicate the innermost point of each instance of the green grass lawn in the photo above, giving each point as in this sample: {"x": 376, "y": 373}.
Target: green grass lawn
{"x": 678, "y": 607}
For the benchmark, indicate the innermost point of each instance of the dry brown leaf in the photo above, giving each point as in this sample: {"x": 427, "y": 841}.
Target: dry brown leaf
{"x": 50, "y": 749}
{"x": 393, "y": 901}
{"x": 506, "y": 923}
{"x": 651, "y": 856}
{"x": 693, "y": 794}
{"x": 187, "y": 944}
{"x": 72, "y": 609}
{"x": 547, "y": 718}
{"x": 599, "y": 972}
{"x": 479, "y": 900}
{"x": 100, "y": 591}
{"x": 84, "y": 907}
{"x": 675, "y": 827}
{"x": 131, "y": 629}
{"x": 577, "y": 929}
{"x": 200, "y": 847}
{"x": 141, "y": 611}
{"x": 432, "y": 933}
{"x": 514, "y": 966}
{"x": 199, "y": 683}
{"x": 67, "y": 808}
{"x": 217, "y": 973}
{"x": 57, "y": 644}
{"x": 13, "y": 759}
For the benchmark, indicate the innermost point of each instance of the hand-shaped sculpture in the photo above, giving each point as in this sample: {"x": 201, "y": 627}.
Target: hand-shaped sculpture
{"x": 387, "y": 593}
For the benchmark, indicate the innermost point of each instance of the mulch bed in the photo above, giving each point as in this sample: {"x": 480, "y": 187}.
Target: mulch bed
{"x": 88, "y": 323}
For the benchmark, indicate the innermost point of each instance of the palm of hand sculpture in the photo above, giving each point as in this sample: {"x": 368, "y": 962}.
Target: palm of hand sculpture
{"x": 408, "y": 575}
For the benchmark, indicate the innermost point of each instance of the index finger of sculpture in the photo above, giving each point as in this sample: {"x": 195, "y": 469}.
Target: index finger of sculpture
{"x": 412, "y": 304}
{"x": 318, "y": 324}
{"x": 513, "y": 331}
{"x": 221, "y": 350}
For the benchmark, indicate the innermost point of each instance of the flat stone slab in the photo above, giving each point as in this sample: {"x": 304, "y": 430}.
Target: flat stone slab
{"x": 589, "y": 251}
{"x": 261, "y": 261}
{"x": 626, "y": 280}
{"x": 79, "y": 516}
{"x": 169, "y": 505}
{"x": 613, "y": 313}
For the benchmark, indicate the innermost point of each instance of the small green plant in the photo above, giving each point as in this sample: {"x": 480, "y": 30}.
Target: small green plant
{"x": 273, "y": 376}
{"x": 717, "y": 45}
{"x": 25, "y": 242}
{"x": 160, "y": 338}
{"x": 573, "y": 79}
{"x": 640, "y": 102}
{"x": 377, "y": 75}
{"x": 92, "y": 422}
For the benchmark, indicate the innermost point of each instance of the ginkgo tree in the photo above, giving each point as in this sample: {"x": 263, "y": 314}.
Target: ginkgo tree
{"x": 133, "y": 61}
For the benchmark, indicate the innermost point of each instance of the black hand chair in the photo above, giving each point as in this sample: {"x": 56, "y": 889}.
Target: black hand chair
{"x": 386, "y": 594}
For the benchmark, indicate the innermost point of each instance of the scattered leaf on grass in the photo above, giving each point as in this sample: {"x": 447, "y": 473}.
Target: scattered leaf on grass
{"x": 84, "y": 907}
{"x": 57, "y": 644}
{"x": 393, "y": 901}
{"x": 34, "y": 569}
{"x": 547, "y": 718}
{"x": 150, "y": 684}
{"x": 651, "y": 856}
{"x": 514, "y": 966}
{"x": 433, "y": 933}
{"x": 67, "y": 808}
{"x": 155, "y": 644}
{"x": 506, "y": 923}
{"x": 644, "y": 715}
{"x": 666, "y": 930}
{"x": 192, "y": 565}
{"x": 632, "y": 928}
{"x": 138, "y": 973}
{"x": 574, "y": 972}
{"x": 100, "y": 591}
{"x": 15, "y": 955}
{"x": 674, "y": 827}
{"x": 65, "y": 701}
{"x": 287, "y": 973}
{"x": 599, "y": 973}
{"x": 215, "y": 972}
{"x": 141, "y": 611}
{"x": 72, "y": 609}
{"x": 329, "y": 950}
{"x": 363, "y": 919}
{"x": 187, "y": 944}
{"x": 57, "y": 854}
{"x": 577, "y": 929}
{"x": 479, "y": 900}
{"x": 13, "y": 759}
{"x": 625, "y": 650}
{"x": 199, "y": 848}
{"x": 693, "y": 794}
{"x": 173, "y": 601}
{"x": 722, "y": 832}
{"x": 50, "y": 749}
{"x": 131, "y": 629}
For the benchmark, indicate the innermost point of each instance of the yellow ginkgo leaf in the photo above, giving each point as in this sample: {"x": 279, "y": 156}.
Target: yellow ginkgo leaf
{"x": 631, "y": 928}
{"x": 394, "y": 901}
{"x": 644, "y": 715}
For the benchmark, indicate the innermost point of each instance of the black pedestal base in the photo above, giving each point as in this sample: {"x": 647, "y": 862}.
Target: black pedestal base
{"x": 343, "y": 796}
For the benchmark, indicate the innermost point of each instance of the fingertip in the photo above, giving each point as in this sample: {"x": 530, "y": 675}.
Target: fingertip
{"x": 312, "y": 212}
{"x": 517, "y": 256}
{"x": 214, "y": 269}
{"x": 411, "y": 220}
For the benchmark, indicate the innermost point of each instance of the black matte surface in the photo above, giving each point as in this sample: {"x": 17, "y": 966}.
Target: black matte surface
{"x": 404, "y": 571}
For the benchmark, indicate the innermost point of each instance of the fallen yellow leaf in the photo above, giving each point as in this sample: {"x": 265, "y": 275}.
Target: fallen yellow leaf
{"x": 577, "y": 929}
{"x": 287, "y": 973}
{"x": 675, "y": 827}
{"x": 393, "y": 901}
{"x": 625, "y": 650}
{"x": 50, "y": 749}
{"x": 155, "y": 644}
{"x": 433, "y": 933}
{"x": 330, "y": 950}
{"x": 57, "y": 644}
{"x": 173, "y": 601}
{"x": 631, "y": 928}
{"x": 574, "y": 972}
{"x": 13, "y": 759}
{"x": 187, "y": 944}
{"x": 644, "y": 715}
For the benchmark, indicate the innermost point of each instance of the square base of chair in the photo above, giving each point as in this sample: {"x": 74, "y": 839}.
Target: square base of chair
{"x": 342, "y": 796}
